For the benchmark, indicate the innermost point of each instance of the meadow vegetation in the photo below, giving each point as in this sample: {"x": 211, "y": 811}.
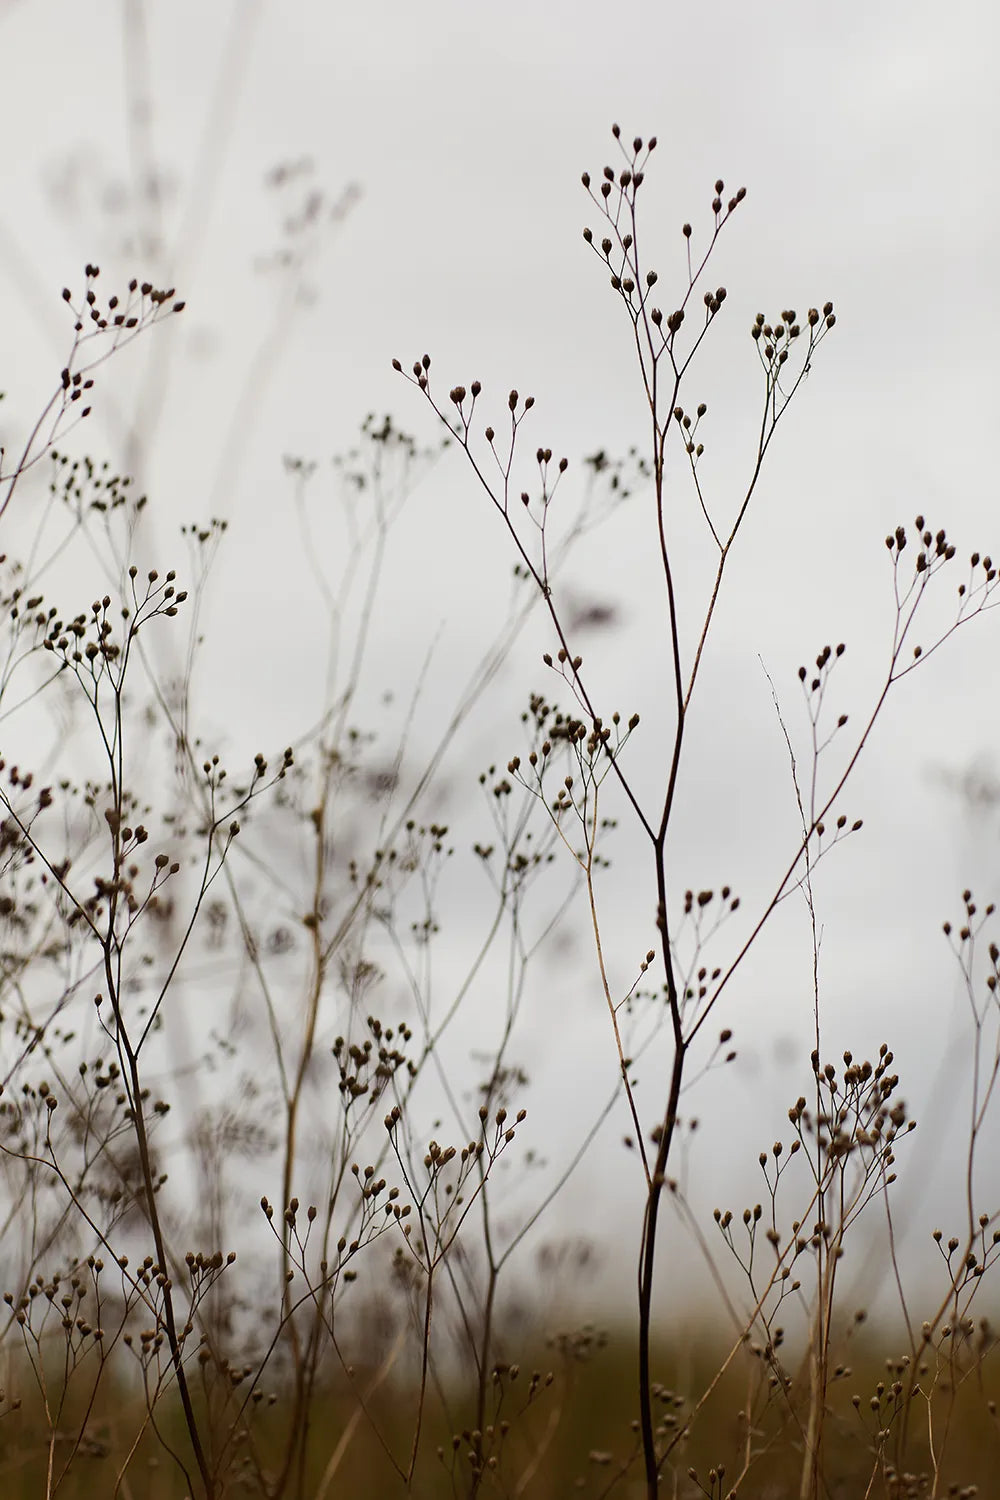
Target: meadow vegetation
{"x": 265, "y": 1222}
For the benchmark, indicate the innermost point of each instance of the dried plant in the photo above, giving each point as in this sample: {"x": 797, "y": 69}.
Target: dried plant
{"x": 574, "y": 753}
{"x": 263, "y": 1086}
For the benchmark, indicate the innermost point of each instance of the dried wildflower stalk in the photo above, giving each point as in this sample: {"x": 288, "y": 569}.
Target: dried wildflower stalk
{"x": 592, "y": 741}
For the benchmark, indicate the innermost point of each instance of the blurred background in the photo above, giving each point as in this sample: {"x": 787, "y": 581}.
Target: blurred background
{"x": 329, "y": 187}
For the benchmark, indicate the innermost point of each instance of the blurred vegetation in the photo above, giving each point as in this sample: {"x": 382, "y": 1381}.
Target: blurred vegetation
{"x": 560, "y": 1424}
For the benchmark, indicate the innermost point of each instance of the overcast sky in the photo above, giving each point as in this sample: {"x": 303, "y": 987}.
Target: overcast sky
{"x": 453, "y": 137}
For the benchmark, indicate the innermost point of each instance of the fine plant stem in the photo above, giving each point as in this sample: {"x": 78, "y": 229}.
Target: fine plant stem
{"x": 786, "y": 349}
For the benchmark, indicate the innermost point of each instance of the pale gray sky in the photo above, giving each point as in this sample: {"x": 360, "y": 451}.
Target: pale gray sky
{"x": 867, "y": 137}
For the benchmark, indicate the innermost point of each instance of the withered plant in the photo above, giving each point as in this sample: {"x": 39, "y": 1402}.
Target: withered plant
{"x": 576, "y": 766}
{"x": 262, "y": 1089}
{"x": 231, "y": 1202}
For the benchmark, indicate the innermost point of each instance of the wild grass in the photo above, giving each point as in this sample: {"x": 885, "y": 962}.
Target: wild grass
{"x": 262, "y": 1228}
